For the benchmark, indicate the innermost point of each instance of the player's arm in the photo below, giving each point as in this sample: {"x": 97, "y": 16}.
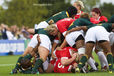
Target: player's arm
{"x": 55, "y": 43}
{"x": 63, "y": 44}
{"x": 78, "y": 29}
{"x": 53, "y": 48}
{"x": 66, "y": 61}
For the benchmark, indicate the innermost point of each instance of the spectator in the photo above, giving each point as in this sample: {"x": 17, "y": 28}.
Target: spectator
{"x": 14, "y": 31}
{"x": 0, "y": 33}
{"x": 9, "y": 34}
{"x": 25, "y": 33}
{"x": 3, "y": 30}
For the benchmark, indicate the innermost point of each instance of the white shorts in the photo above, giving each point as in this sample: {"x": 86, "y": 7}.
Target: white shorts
{"x": 111, "y": 37}
{"x": 42, "y": 24}
{"x": 71, "y": 37}
{"x": 45, "y": 41}
{"x": 33, "y": 42}
{"x": 96, "y": 33}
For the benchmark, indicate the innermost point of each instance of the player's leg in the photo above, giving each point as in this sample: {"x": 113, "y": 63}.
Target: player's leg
{"x": 107, "y": 48}
{"x": 90, "y": 42}
{"x": 81, "y": 51}
{"x": 102, "y": 58}
{"x": 76, "y": 40}
{"x": 43, "y": 51}
{"x": 28, "y": 53}
{"x": 103, "y": 40}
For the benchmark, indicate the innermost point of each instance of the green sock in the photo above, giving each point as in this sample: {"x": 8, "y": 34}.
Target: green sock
{"x": 110, "y": 61}
{"x": 18, "y": 63}
{"x": 28, "y": 56}
{"x": 82, "y": 62}
{"x": 38, "y": 64}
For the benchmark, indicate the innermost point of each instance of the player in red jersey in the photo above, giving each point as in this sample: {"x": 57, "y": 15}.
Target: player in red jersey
{"x": 79, "y": 5}
{"x": 65, "y": 60}
{"x": 59, "y": 68}
{"x": 97, "y": 16}
{"x": 64, "y": 24}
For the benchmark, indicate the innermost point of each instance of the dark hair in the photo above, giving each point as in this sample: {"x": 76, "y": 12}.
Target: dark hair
{"x": 71, "y": 11}
{"x": 25, "y": 63}
{"x": 85, "y": 15}
{"x": 97, "y": 10}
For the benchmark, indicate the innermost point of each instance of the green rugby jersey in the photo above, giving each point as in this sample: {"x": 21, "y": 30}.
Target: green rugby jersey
{"x": 107, "y": 26}
{"x": 43, "y": 31}
{"x": 57, "y": 17}
{"x": 111, "y": 20}
{"x": 80, "y": 22}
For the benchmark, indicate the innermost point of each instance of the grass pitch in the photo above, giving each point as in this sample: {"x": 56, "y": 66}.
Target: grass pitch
{"x": 7, "y": 63}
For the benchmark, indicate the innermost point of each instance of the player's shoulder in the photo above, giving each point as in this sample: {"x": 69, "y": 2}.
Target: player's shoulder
{"x": 103, "y": 17}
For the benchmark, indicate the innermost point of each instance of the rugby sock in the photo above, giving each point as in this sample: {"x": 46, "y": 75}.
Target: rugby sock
{"x": 102, "y": 59}
{"x": 28, "y": 56}
{"x": 91, "y": 62}
{"x": 38, "y": 64}
{"x": 82, "y": 62}
{"x": 110, "y": 61}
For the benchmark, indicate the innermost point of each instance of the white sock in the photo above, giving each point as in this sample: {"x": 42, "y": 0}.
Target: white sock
{"x": 91, "y": 62}
{"x": 102, "y": 59}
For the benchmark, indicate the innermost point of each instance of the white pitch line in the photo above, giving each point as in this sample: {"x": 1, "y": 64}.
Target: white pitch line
{"x": 6, "y": 64}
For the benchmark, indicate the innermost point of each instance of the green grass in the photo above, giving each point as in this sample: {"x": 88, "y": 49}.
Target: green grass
{"x": 6, "y": 69}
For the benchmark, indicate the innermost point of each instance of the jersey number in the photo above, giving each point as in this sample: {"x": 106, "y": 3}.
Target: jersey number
{"x": 60, "y": 66}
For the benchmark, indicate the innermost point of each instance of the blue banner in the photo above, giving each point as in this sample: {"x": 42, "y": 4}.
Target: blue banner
{"x": 12, "y": 46}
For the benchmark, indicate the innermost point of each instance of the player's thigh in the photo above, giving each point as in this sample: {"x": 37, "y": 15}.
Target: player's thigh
{"x": 27, "y": 51}
{"x": 43, "y": 52}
